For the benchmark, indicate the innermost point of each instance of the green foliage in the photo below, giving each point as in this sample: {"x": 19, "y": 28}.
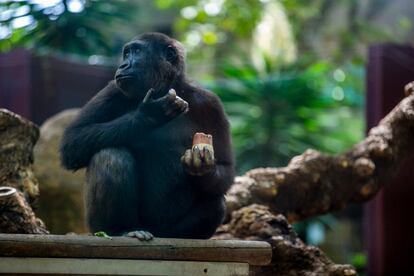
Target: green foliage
{"x": 222, "y": 17}
{"x": 102, "y": 234}
{"x": 282, "y": 113}
{"x": 212, "y": 29}
{"x": 341, "y": 30}
{"x": 70, "y": 26}
{"x": 359, "y": 260}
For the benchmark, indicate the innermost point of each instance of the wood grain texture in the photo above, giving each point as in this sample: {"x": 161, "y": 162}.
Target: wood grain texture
{"x": 76, "y": 266}
{"x": 251, "y": 252}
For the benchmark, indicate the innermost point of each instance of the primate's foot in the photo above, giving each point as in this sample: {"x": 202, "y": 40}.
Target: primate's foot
{"x": 141, "y": 235}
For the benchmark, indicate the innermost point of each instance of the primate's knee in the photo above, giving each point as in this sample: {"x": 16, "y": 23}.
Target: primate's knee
{"x": 111, "y": 190}
{"x": 111, "y": 164}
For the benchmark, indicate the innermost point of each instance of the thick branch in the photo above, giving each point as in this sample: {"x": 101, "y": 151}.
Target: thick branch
{"x": 315, "y": 183}
{"x": 20, "y": 188}
{"x": 290, "y": 255}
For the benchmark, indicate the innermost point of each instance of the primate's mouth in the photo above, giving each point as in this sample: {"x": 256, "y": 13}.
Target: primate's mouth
{"x": 123, "y": 77}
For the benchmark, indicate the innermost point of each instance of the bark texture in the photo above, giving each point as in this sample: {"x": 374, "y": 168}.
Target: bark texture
{"x": 16, "y": 216}
{"x": 315, "y": 183}
{"x": 17, "y": 138}
{"x": 290, "y": 255}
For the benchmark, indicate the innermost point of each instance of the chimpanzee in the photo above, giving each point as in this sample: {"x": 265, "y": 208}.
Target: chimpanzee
{"x": 143, "y": 176}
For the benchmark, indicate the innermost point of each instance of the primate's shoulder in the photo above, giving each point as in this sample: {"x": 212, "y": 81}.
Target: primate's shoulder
{"x": 201, "y": 97}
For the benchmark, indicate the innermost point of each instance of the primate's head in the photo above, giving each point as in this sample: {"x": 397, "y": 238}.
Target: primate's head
{"x": 151, "y": 60}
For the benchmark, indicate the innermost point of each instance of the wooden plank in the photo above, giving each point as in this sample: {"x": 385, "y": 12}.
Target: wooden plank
{"x": 76, "y": 266}
{"x": 20, "y": 245}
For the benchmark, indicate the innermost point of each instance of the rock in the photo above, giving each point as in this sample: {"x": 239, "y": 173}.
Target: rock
{"x": 61, "y": 201}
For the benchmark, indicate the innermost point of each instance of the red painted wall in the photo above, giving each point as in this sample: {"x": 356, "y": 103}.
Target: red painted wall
{"x": 388, "y": 218}
{"x": 39, "y": 86}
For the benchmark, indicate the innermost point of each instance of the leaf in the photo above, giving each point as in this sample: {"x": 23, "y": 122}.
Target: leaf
{"x": 102, "y": 234}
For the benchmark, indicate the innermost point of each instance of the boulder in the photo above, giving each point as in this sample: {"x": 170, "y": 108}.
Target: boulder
{"x": 61, "y": 203}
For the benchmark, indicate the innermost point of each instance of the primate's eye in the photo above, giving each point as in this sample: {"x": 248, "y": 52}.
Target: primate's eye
{"x": 137, "y": 50}
{"x": 126, "y": 54}
{"x": 171, "y": 54}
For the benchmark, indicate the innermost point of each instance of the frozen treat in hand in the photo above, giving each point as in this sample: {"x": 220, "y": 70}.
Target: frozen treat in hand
{"x": 199, "y": 160}
{"x": 202, "y": 140}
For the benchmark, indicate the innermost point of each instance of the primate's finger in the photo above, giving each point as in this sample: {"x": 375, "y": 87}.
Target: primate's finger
{"x": 179, "y": 99}
{"x": 186, "y": 158}
{"x": 139, "y": 235}
{"x": 196, "y": 157}
{"x": 147, "y": 235}
{"x": 148, "y": 95}
{"x": 208, "y": 156}
{"x": 180, "y": 102}
{"x": 185, "y": 107}
{"x": 151, "y": 235}
{"x": 177, "y": 108}
{"x": 169, "y": 97}
{"x": 182, "y": 105}
{"x": 186, "y": 110}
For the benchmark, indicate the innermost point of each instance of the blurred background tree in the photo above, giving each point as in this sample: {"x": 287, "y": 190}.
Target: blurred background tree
{"x": 85, "y": 28}
{"x": 287, "y": 110}
{"x": 70, "y": 26}
{"x": 289, "y": 72}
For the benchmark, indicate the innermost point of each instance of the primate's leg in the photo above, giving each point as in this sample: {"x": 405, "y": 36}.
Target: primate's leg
{"x": 200, "y": 222}
{"x": 111, "y": 192}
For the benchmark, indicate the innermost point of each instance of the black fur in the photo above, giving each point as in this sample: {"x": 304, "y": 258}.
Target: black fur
{"x": 135, "y": 179}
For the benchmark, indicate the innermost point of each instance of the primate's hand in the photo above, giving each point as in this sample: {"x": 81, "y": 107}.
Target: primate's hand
{"x": 164, "y": 109}
{"x": 199, "y": 161}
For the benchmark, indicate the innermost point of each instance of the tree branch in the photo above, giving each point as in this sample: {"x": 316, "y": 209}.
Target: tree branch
{"x": 315, "y": 183}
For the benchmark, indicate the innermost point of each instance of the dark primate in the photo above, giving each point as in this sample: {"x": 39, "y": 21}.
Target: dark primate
{"x": 135, "y": 139}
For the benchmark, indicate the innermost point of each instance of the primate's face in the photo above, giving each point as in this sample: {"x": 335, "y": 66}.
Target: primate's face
{"x": 150, "y": 61}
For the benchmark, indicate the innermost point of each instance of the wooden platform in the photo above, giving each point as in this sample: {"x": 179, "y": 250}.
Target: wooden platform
{"x": 87, "y": 255}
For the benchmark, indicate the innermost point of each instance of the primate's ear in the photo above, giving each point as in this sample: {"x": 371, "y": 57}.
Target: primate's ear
{"x": 171, "y": 54}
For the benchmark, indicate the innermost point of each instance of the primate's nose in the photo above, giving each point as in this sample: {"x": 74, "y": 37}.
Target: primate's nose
{"x": 124, "y": 65}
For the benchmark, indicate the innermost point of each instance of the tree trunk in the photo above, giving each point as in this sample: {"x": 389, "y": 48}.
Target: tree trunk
{"x": 19, "y": 189}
